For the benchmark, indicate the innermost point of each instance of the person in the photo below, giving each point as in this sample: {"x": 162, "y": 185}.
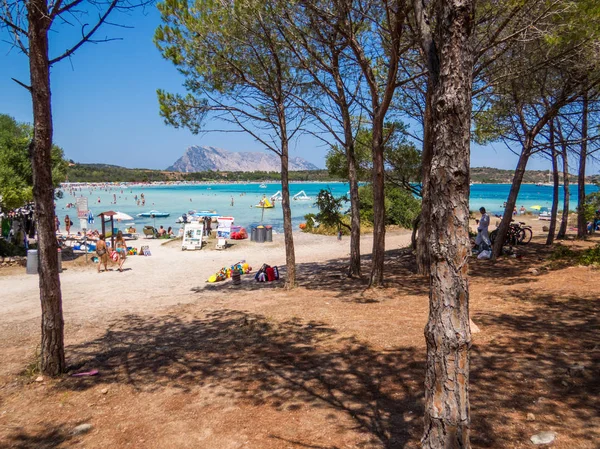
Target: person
{"x": 170, "y": 232}
{"x": 68, "y": 224}
{"x": 57, "y": 224}
{"x": 522, "y": 210}
{"x": 515, "y": 211}
{"x": 483, "y": 236}
{"x": 102, "y": 252}
{"x": 232, "y": 201}
{"x": 161, "y": 231}
{"x": 208, "y": 226}
{"x": 121, "y": 248}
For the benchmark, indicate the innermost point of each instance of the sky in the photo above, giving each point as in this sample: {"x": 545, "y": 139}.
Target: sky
{"x": 105, "y": 107}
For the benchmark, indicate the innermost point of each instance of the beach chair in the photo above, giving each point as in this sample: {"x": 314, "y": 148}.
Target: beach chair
{"x": 150, "y": 232}
{"x": 221, "y": 244}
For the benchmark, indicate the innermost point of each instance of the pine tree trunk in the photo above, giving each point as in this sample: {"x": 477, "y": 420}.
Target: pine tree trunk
{"x": 562, "y": 232}
{"x": 52, "y": 361}
{"x": 422, "y": 247}
{"x": 512, "y": 196}
{"x": 448, "y": 335}
{"x": 377, "y": 269}
{"x": 555, "y": 187}
{"x": 581, "y": 221}
{"x": 354, "y": 268}
{"x": 290, "y": 256}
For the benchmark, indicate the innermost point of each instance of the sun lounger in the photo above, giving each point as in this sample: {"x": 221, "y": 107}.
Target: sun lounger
{"x": 221, "y": 244}
{"x": 150, "y": 232}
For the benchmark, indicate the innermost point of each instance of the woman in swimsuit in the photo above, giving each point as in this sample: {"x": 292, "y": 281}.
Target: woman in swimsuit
{"x": 121, "y": 248}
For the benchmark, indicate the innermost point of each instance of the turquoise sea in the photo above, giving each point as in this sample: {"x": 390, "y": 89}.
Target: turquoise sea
{"x": 179, "y": 199}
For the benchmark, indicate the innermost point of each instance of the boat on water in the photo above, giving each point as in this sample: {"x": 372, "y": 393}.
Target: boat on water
{"x": 277, "y": 196}
{"x": 302, "y": 196}
{"x": 263, "y": 186}
{"x": 265, "y": 204}
{"x": 154, "y": 214}
{"x": 546, "y": 184}
{"x": 193, "y": 215}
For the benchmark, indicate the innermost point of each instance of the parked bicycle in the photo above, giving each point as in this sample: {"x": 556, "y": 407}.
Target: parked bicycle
{"x": 518, "y": 234}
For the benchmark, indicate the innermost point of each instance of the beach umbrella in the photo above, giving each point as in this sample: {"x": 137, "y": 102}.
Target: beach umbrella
{"x": 536, "y": 207}
{"x": 122, "y": 216}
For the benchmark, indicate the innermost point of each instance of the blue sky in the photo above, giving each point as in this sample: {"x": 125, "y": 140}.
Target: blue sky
{"x": 105, "y": 107}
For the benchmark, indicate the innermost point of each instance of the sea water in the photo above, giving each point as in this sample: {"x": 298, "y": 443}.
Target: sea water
{"x": 240, "y": 201}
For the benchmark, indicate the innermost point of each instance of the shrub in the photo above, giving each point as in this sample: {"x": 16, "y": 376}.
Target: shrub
{"x": 590, "y": 256}
{"x": 9, "y": 250}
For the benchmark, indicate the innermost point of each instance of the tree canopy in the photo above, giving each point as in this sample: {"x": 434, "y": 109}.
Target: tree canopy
{"x": 16, "y": 175}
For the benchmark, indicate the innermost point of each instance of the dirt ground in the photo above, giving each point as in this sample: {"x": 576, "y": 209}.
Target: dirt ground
{"x": 329, "y": 365}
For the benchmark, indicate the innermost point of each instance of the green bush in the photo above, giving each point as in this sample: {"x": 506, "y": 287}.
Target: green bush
{"x": 9, "y": 250}
{"x": 401, "y": 207}
{"x": 590, "y": 256}
{"x": 562, "y": 252}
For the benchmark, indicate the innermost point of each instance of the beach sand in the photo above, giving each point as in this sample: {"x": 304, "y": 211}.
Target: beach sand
{"x": 169, "y": 276}
{"x": 331, "y": 364}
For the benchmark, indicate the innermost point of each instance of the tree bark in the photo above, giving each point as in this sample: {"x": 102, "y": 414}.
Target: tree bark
{"x": 562, "y": 231}
{"x": 52, "y": 361}
{"x": 422, "y": 257}
{"x": 555, "y": 187}
{"x": 354, "y": 267}
{"x": 290, "y": 256}
{"x": 448, "y": 335}
{"x": 581, "y": 221}
{"x": 378, "y": 205}
{"x": 512, "y": 196}
{"x": 555, "y": 192}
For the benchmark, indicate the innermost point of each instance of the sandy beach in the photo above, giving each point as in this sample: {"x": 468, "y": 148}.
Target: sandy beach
{"x": 186, "y": 364}
{"x": 169, "y": 276}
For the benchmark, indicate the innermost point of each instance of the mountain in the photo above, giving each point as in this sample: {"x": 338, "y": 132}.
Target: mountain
{"x": 196, "y": 159}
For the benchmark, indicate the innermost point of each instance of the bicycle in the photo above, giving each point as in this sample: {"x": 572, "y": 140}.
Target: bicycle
{"x": 518, "y": 234}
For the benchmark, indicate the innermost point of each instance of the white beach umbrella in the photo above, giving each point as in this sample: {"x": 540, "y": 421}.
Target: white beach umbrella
{"x": 122, "y": 216}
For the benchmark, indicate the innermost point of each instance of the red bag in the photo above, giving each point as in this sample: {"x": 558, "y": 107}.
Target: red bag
{"x": 270, "y": 274}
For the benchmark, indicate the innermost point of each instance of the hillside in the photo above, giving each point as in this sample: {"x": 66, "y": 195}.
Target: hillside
{"x": 489, "y": 175}
{"x": 114, "y": 173}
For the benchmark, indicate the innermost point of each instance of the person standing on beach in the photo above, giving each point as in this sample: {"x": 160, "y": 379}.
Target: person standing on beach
{"x": 102, "y": 253}
{"x": 57, "y": 224}
{"x": 522, "y": 210}
{"x": 121, "y": 248}
{"x": 483, "y": 224}
{"x": 68, "y": 224}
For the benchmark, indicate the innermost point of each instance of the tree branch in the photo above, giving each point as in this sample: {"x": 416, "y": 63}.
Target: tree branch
{"x": 86, "y": 37}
